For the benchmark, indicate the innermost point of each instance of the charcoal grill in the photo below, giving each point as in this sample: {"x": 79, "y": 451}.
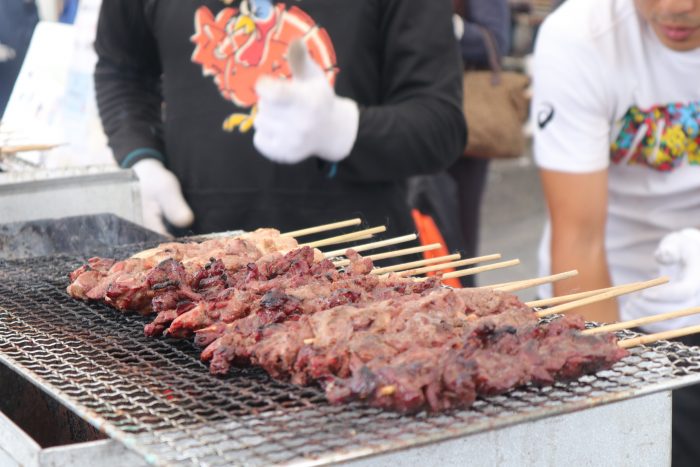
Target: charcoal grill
{"x": 159, "y": 400}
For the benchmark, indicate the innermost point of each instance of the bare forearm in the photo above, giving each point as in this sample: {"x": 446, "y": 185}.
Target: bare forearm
{"x": 589, "y": 259}
{"x": 578, "y": 212}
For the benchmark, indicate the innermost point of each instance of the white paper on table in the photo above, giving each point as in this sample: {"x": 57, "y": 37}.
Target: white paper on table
{"x": 53, "y": 101}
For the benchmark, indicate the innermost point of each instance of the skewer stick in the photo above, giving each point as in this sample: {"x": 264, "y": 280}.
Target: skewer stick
{"x": 146, "y": 253}
{"x": 353, "y": 236}
{"x": 357, "y": 239}
{"x": 392, "y": 254}
{"x": 514, "y": 286}
{"x": 27, "y": 148}
{"x": 659, "y": 336}
{"x": 622, "y": 290}
{"x": 526, "y": 284}
{"x": 387, "y": 390}
{"x": 413, "y": 264}
{"x": 488, "y": 267}
{"x": 642, "y": 321}
{"x": 405, "y": 251}
{"x": 453, "y": 264}
{"x": 350, "y": 237}
{"x": 372, "y": 246}
{"x": 322, "y": 228}
{"x": 565, "y": 298}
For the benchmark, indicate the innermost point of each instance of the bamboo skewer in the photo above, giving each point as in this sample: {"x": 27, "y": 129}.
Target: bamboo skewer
{"x": 621, "y": 290}
{"x": 405, "y": 251}
{"x": 356, "y": 239}
{"x": 659, "y": 336}
{"x": 146, "y": 253}
{"x": 569, "y": 298}
{"x": 350, "y": 237}
{"x": 372, "y": 246}
{"x": 488, "y": 267}
{"x": 642, "y": 321}
{"x": 413, "y": 264}
{"x": 565, "y": 298}
{"x": 322, "y": 228}
{"x": 514, "y": 286}
{"x": 353, "y": 236}
{"x": 26, "y": 148}
{"x": 526, "y": 284}
{"x": 392, "y": 254}
{"x": 453, "y": 264}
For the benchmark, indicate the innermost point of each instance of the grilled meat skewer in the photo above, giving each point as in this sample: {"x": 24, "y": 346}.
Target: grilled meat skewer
{"x": 125, "y": 285}
{"x": 491, "y": 360}
{"x": 234, "y": 298}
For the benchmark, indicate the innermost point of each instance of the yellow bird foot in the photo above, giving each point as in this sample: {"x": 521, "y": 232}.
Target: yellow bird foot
{"x": 244, "y": 122}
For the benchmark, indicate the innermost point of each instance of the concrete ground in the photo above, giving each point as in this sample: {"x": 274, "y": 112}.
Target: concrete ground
{"x": 513, "y": 213}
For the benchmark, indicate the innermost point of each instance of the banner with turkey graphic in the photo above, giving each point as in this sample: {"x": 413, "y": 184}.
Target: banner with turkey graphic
{"x": 240, "y": 44}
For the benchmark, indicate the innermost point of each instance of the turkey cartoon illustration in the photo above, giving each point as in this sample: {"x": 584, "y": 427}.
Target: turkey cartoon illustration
{"x": 241, "y": 44}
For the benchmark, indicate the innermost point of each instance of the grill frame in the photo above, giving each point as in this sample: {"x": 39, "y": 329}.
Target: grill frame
{"x": 167, "y": 407}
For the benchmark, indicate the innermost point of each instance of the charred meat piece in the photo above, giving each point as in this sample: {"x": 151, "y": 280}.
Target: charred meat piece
{"x": 376, "y": 300}
{"x": 125, "y": 287}
{"x": 388, "y": 328}
{"x": 490, "y": 361}
{"x": 434, "y": 378}
{"x": 435, "y": 350}
{"x": 88, "y": 276}
{"x": 175, "y": 291}
{"x": 245, "y": 288}
{"x": 296, "y": 273}
{"x": 123, "y": 284}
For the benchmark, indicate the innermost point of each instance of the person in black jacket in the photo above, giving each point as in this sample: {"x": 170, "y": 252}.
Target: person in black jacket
{"x": 285, "y": 114}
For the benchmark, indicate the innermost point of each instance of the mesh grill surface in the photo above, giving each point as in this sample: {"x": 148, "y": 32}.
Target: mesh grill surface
{"x": 156, "y": 397}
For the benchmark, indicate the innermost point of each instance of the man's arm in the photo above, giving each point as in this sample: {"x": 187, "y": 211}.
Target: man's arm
{"x": 419, "y": 127}
{"x": 578, "y": 209}
{"x": 127, "y": 85}
{"x": 572, "y": 113}
{"x": 127, "y": 82}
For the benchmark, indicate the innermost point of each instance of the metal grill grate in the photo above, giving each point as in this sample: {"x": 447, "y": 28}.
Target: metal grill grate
{"x": 158, "y": 398}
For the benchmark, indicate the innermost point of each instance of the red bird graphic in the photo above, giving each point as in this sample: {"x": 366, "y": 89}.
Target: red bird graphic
{"x": 239, "y": 45}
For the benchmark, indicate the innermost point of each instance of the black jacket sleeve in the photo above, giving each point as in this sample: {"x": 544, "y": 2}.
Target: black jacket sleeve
{"x": 127, "y": 81}
{"x": 419, "y": 126}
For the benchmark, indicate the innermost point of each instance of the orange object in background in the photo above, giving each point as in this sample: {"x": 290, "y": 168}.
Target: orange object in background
{"x": 429, "y": 233}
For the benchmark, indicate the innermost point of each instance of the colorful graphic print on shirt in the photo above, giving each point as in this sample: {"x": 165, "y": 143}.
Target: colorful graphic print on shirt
{"x": 660, "y": 137}
{"x": 240, "y": 44}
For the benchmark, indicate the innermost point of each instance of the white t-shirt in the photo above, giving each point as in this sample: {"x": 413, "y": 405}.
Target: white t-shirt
{"x": 609, "y": 94}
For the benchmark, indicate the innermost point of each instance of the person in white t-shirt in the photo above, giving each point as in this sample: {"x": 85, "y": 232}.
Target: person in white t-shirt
{"x": 617, "y": 138}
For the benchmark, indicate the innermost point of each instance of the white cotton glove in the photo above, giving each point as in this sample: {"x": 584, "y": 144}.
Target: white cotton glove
{"x": 161, "y": 196}
{"x": 678, "y": 257}
{"x": 303, "y": 117}
{"x": 6, "y": 53}
{"x": 458, "y": 26}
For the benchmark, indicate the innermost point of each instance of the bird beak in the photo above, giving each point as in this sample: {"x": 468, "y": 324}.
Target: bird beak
{"x": 244, "y": 23}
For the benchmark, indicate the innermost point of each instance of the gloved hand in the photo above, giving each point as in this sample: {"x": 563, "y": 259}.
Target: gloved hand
{"x": 303, "y": 117}
{"x": 678, "y": 257}
{"x": 161, "y": 196}
{"x": 458, "y": 26}
{"x": 6, "y": 53}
